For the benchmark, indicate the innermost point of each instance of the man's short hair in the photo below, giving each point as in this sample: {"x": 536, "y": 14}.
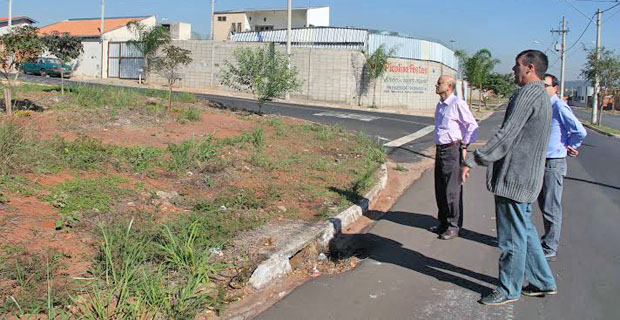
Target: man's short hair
{"x": 537, "y": 58}
{"x": 554, "y": 79}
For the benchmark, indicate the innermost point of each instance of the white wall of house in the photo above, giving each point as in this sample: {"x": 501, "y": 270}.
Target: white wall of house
{"x": 89, "y": 63}
{"x": 318, "y": 17}
{"x": 4, "y": 28}
{"x": 277, "y": 18}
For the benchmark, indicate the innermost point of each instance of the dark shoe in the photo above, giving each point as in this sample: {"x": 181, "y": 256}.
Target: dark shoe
{"x": 449, "y": 234}
{"x": 437, "y": 229}
{"x": 495, "y": 298}
{"x": 532, "y": 291}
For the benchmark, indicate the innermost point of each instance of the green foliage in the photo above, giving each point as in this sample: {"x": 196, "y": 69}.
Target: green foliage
{"x": 189, "y": 115}
{"x": 502, "y": 84}
{"x": 263, "y": 71}
{"x": 168, "y": 65}
{"x": 193, "y": 153}
{"x": 79, "y": 195}
{"x": 64, "y": 47}
{"x": 478, "y": 69}
{"x": 11, "y": 143}
{"x": 258, "y": 138}
{"x": 606, "y": 67}
{"x": 20, "y": 45}
{"x": 149, "y": 41}
{"x": 376, "y": 66}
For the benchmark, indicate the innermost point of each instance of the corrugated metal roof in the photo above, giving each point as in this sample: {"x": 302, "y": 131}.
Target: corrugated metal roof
{"x": 266, "y": 9}
{"x": 356, "y": 39}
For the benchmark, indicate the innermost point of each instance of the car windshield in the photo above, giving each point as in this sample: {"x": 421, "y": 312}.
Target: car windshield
{"x": 50, "y": 60}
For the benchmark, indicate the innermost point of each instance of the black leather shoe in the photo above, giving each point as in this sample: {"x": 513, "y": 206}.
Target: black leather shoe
{"x": 495, "y": 298}
{"x": 437, "y": 229}
{"x": 449, "y": 234}
{"x": 532, "y": 291}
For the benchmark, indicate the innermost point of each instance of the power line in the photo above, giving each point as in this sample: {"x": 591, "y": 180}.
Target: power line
{"x": 582, "y": 33}
{"x": 613, "y": 14}
{"x": 585, "y": 15}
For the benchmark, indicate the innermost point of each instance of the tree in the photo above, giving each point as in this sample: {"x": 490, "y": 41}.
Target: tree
{"x": 66, "y": 48}
{"x": 607, "y": 67}
{"x": 502, "y": 84}
{"x": 377, "y": 66}
{"x": 168, "y": 65}
{"x": 21, "y": 44}
{"x": 149, "y": 41}
{"x": 263, "y": 71}
{"x": 478, "y": 69}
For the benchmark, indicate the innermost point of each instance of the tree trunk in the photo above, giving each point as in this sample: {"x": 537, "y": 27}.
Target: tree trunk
{"x": 7, "y": 101}
{"x": 479, "y": 99}
{"x": 170, "y": 97}
{"x": 471, "y": 92}
{"x": 62, "y": 81}
{"x": 374, "y": 93}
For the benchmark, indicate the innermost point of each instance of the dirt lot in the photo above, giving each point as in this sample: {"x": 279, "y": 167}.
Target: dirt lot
{"x": 111, "y": 207}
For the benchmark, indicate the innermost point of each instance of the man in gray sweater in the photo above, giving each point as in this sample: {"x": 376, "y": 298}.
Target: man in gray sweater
{"x": 515, "y": 157}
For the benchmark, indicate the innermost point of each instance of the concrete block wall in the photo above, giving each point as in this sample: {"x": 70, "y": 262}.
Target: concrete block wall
{"x": 327, "y": 75}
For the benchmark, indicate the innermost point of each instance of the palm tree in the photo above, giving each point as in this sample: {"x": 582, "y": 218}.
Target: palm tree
{"x": 376, "y": 64}
{"x": 478, "y": 69}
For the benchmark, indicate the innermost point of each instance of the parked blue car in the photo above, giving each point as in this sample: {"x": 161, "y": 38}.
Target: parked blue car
{"x": 47, "y": 66}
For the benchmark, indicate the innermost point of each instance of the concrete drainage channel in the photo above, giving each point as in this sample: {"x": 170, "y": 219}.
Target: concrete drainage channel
{"x": 319, "y": 235}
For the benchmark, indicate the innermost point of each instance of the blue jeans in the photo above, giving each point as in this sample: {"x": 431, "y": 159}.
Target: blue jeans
{"x": 522, "y": 254}
{"x": 550, "y": 202}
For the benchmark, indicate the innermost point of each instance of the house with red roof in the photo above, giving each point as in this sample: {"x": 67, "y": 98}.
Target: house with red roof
{"x": 104, "y": 55}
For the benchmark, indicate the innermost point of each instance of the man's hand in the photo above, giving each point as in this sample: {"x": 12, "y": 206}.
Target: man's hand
{"x": 572, "y": 152}
{"x": 464, "y": 174}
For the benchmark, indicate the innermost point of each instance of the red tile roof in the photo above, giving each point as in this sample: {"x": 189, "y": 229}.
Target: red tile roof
{"x": 88, "y": 27}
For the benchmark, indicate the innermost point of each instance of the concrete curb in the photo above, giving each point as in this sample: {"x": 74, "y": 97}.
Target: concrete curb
{"x": 321, "y": 233}
{"x": 594, "y": 128}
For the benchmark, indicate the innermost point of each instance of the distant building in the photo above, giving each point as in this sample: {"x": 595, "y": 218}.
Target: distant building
{"x": 17, "y": 21}
{"x": 118, "y": 61}
{"x": 179, "y": 30}
{"x": 579, "y": 92}
{"x": 232, "y": 21}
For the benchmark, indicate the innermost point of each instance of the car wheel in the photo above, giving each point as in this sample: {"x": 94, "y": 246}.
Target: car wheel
{"x": 43, "y": 73}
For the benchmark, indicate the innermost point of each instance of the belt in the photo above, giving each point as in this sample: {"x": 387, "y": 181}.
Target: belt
{"x": 457, "y": 142}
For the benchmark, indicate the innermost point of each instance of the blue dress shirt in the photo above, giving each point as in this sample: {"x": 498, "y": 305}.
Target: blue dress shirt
{"x": 566, "y": 130}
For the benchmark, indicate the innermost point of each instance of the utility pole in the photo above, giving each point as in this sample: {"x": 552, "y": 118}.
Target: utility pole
{"x": 599, "y": 15}
{"x": 563, "y": 31}
{"x": 288, "y": 36}
{"x": 10, "y": 14}
{"x": 101, "y": 31}
{"x": 212, "y": 18}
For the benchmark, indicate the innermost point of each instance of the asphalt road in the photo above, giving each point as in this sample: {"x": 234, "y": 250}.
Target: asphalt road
{"x": 381, "y": 127}
{"x": 609, "y": 120}
{"x": 410, "y": 274}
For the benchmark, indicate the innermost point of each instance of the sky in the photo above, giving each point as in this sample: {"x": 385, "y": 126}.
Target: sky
{"x": 505, "y": 27}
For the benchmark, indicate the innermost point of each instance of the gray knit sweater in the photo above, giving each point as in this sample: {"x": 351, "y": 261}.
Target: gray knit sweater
{"x": 515, "y": 156}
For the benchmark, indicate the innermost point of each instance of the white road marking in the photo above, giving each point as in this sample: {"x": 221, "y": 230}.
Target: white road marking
{"x": 354, "y": 116}
{"x": 408, "y": 138}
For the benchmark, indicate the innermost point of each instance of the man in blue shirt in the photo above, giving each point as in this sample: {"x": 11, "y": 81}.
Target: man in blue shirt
{"x": 567, "y": 133}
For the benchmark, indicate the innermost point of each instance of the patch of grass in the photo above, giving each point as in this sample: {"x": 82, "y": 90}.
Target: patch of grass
{"x": 79, "y": 195}
{"x": 12, "y": 140}
{"x": 32, "y": 275}
{"x": 237, "y": 198}
{"x": 230, "y": 141}
{"x": 23, "y": 186}
{"x": 260, "y": 160}
{"x": 604, "y": 128}
{"x": 258, "y": 138}
{"x": 189, "y": 115}
{"x": 140, "y": 158}
{"x": 193, "y": 153}
{"x": 400, "y": 168}
{"x": 321, "y": 164}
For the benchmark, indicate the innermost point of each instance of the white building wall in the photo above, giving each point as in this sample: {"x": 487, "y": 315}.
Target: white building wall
{"x": 89, "y": 63}
{"x": 318, "y": 17}
{"x": 278, "y": 19}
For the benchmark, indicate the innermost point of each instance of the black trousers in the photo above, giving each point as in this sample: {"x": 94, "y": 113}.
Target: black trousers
{"x": 448, "y": 188}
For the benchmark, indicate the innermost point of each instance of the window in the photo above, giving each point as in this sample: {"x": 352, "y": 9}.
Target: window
{"x": 239, "y": 27}
{"x": 221, "y": 18}
{"x": 264, "y": 28}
